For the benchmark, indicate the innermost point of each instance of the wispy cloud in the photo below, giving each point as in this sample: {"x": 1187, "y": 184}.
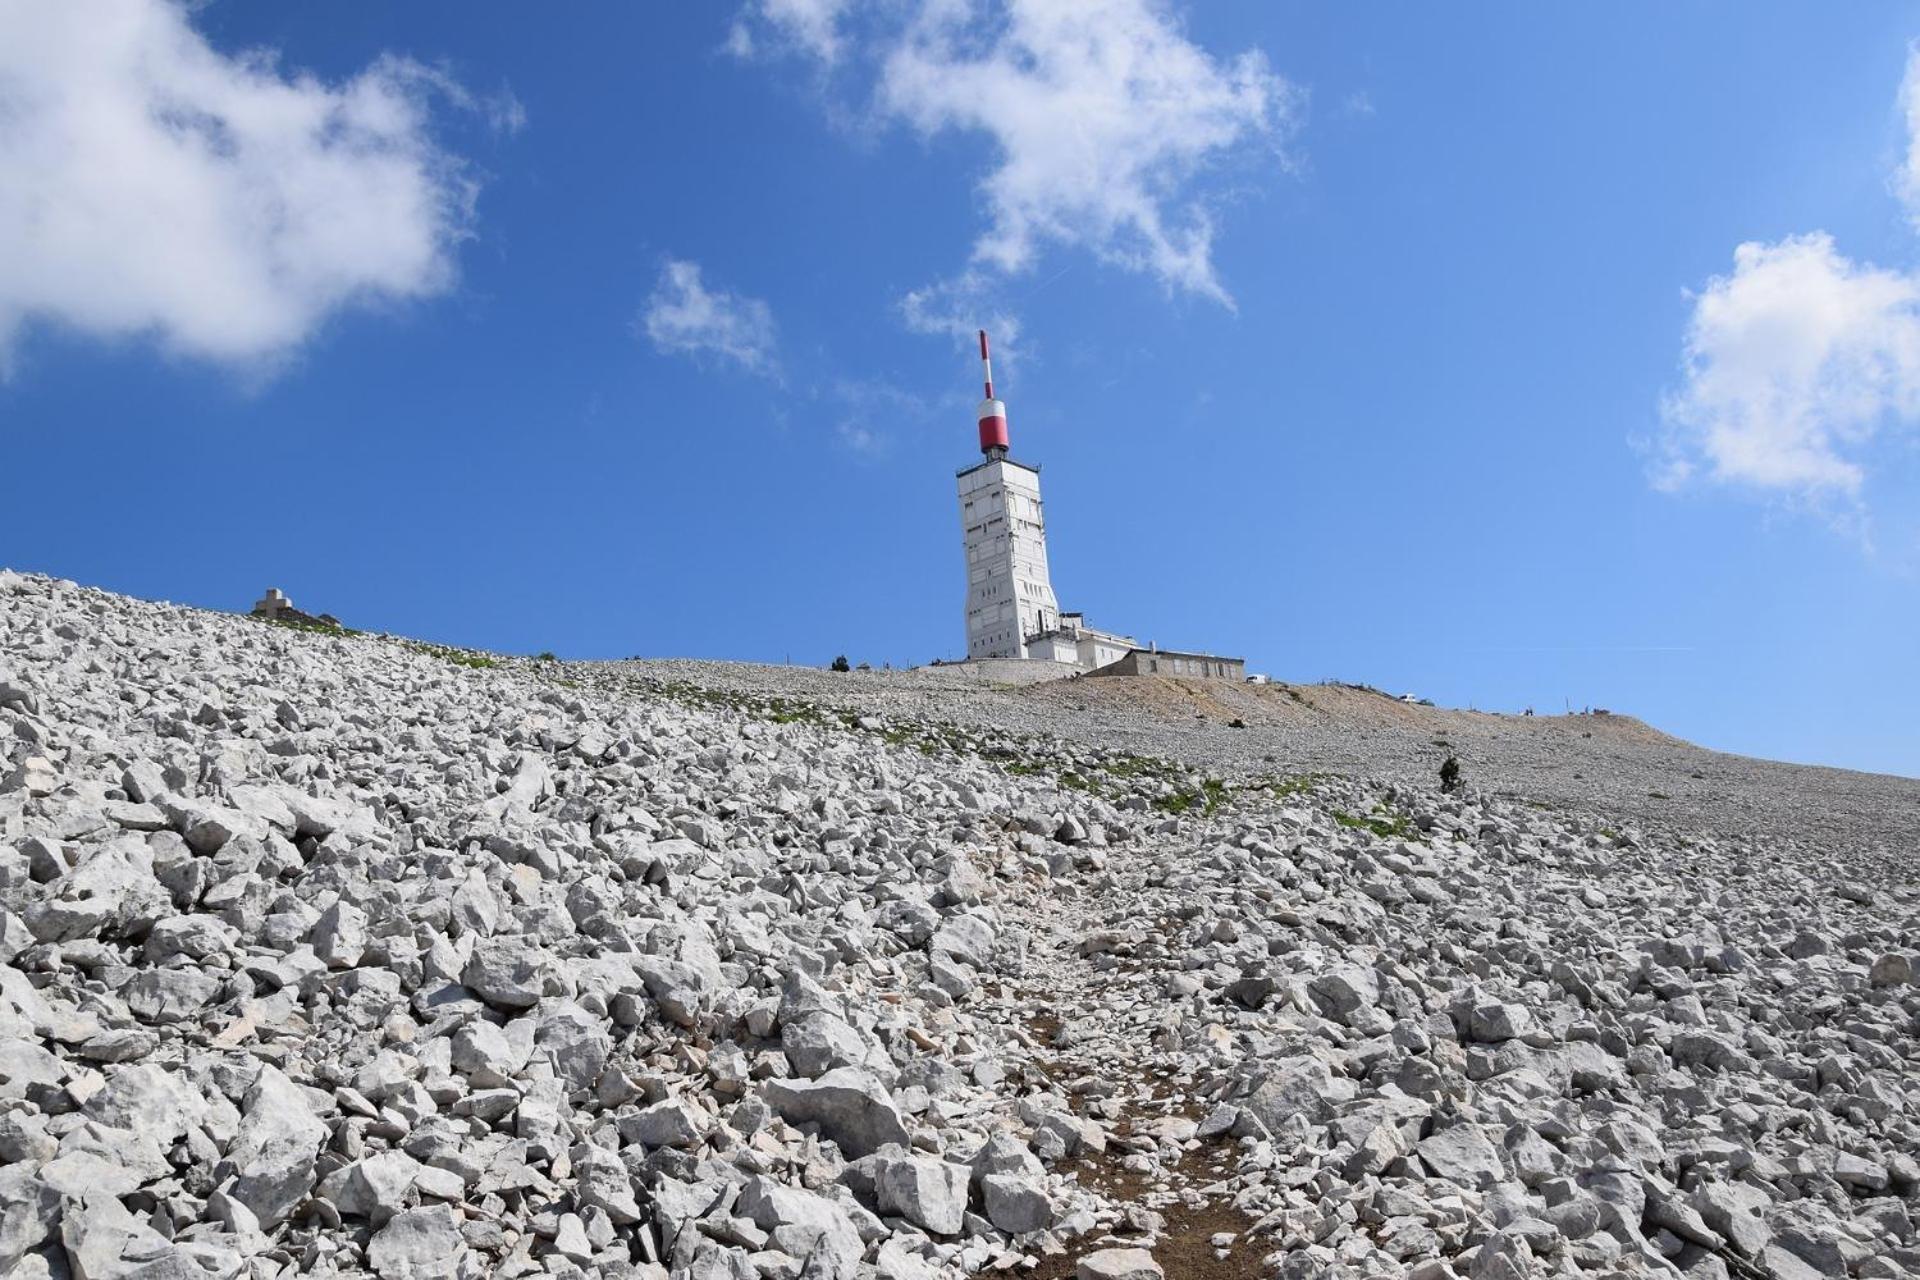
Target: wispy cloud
{"x": 807, "y": 26}
{"x": 1906, "y": 178}
{"x": 1797, "y": 363}
{"x": 683, "y": 316}
{"x": 860, "y": 440}
{"x": 870, "y": 412}
{"x": 1103, "y": 117}
{"x": 1100, "y": 113}
{"x": 215, "y": 204}
{"x": 960, "y": 307}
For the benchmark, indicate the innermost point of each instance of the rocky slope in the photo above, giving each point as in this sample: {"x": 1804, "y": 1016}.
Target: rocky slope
{"x": 340, "y": 955}
{"x": 1613, "y": 762}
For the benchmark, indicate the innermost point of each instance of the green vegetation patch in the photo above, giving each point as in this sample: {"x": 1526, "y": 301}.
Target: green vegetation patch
{"x": 1382, "y": 822}
{"x": 1211, "y": 795}
{"x": 1298, "y": 784}
{"x": 311, "y": 628}
{"x": 470, "y": 658}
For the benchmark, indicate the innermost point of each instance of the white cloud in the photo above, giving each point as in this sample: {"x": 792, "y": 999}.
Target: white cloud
{"x": 870, "y": 413}
{"x": 959, "y": 308}
{"x": 860, "y": 440}
{"x": 156, "y": 187}
{"x": 1906, "y": 179}
{"x": 1800, "y": 362}
{"x": 1100, "y": 112}
{"x": 683, "y": 316}
{"x": 810, "y": 26}
{"x": 1101, "y": 116}
{"x": 1794, "y": 363}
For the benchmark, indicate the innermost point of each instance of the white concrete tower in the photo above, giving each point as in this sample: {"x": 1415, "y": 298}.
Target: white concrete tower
{"x": 1009, "y": 595}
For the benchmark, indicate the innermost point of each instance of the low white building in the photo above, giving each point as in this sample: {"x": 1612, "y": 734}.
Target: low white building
{"x": 1076, "y": 644}
{"x": 1155, "y": 661}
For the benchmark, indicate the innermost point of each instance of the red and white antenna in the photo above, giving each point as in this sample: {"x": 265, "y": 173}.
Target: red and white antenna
{"x": 993, "y": 413}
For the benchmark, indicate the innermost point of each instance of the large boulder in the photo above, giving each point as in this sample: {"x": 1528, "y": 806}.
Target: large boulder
{"x": 112, "y": 894}
{"x": 103, "y": 1241}
{"x": 1119, "y": 1264}
{"x": 1016, "y": 1203}
{"x": 927, "y": 1192}
{"x": 29, "y": 1213}
{"x": 851, "y": 1107}
{"x": 375, "y": 1188}
{"x": 274, "y": 1150}
{"x": 1463, "y": 1155}
{"x": 1300, "y": 1086}
{"x": 514, "y": 973}
{"x": 420, "y": 1244}
{"x": 809, "y": 1227}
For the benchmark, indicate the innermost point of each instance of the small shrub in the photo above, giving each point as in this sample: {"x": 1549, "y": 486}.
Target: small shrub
{"x": 545, "y": 655}
{"x": 1389, "y": 827}
{"x": 841, "y": 664}
{"x": 1210, "y": 796}
{"x": 318, "y": 626}
{"x": 1450, "y": 774}
{"x": 458, "y": 657}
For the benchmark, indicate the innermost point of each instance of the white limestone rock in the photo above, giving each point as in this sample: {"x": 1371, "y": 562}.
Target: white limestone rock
{"x": 926, "y": 1192}
{"x": 1118, "y": 1264}
{"x": 274, "y": 1148}
{"x": 420, "y": 1244}
{"x": 849, "y": 1104}
{"x": 333, "y": 950}
{"x": 1015, "y": 1203}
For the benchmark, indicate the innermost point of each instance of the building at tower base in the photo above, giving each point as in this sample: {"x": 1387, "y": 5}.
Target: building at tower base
{"x": 1077, "y": 644}
{"x": 1153, "y": 661}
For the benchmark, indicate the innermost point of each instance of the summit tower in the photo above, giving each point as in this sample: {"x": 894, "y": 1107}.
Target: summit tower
{"x": 1010, "y": 599}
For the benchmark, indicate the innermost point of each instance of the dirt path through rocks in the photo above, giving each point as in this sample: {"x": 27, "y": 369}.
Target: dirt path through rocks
{"x": 1089, "y": 1020}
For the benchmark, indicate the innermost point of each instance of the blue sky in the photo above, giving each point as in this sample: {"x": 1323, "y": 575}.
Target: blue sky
{"x": 1398, "y": 345}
